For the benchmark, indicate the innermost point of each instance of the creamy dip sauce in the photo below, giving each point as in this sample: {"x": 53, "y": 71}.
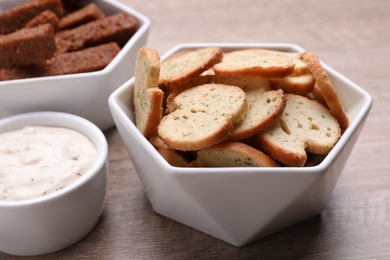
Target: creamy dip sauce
{"x": 38, "y": 160}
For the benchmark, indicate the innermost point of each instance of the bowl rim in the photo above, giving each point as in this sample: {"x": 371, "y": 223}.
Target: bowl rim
{"x": 325, "y": 163}
{"x": 66, "y": 120}
{"x": 145, "y": 24}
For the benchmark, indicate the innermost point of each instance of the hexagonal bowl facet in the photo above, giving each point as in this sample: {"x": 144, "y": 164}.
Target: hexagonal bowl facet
{"x": 83, "y": 94}
{"x": 239, "y": 205}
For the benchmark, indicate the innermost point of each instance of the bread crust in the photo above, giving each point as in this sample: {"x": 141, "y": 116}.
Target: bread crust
{"x": 255, "y": 62}
{"x": 155, "y": 111}
{"x": 300, "y": 85}
{"x": 326, "y": 88}
{"x": 233, "y": 154}
{"x": 300, "y": 68}
{"x": 148, "y": 98}
{"x": 169, "y": 154}
{"x": 289, "y": 158}
{"x": 180, "y": 68}
{"x": 317, "y": 95}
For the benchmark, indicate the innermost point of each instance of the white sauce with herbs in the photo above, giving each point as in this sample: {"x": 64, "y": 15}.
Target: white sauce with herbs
{"x": 38, "y": 160}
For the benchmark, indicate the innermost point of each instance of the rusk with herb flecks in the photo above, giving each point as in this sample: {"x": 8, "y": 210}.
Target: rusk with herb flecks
{"x": 326, "y": 89}
{"x": 204, "y": 116}
{"x": 233, "y": 154}
{"x": 305, "y": 125}
{"x": 182, "y": 66}
{"x": 255, "y": 62}
{"x": 148, "y": 98}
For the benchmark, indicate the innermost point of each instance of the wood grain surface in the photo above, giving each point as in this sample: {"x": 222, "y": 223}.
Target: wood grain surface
{"x": 351, "y": 36}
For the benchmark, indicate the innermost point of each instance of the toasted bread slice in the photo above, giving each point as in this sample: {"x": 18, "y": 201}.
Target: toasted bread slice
{"x": 255, "y": 62}
{"x": 300, "y": 68}
{"x": 174, "y": 158}
{"x": 84, "y": 15}
{"x": 158, "y": 143}
{"x": 148, "y": 98}
{"x": 243, "y": 82}
{"x": 264, "y": 110}
{"x": 233, "y": 154}
{"x": 204, "y": 116}
{"x": 326, "y": 88}
{"x": 27, "y": 46}
{"x": 42, "y": 18}
{"x": 300, "y": 85}
{"x": 180, "y": 68}
{"x": 304, "y": 125}
{"x": 317, "y": 95}
{"x": 170, "y": 155}
{"x": 118, "y": 27}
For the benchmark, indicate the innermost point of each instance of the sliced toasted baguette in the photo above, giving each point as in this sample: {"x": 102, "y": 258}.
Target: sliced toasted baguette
{"x": 264, "y": 110}
{"x": 300, "y": 68}
{"x": 148, "y": 98}
{"x": 243, "y": 82}
{"x": 216, "y": 99}
{"x": 317, "y": 95}
{"x": 233, "y": 154}
{"x": 255, "y": 62}
{"x": 170, "y": 155}
{"x": 304, "y": 125}
{"x": 326, "y": 88}
{"x": 174, "y": 158}
{"x": 300, "y": 85}
{"x": 180, "y": 68}
{"x": 203, "y": 116}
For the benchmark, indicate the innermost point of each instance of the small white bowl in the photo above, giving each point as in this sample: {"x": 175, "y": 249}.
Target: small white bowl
{"x": 57, "y": 220}
{"x": 239, "y": 205}
{"x": 83, "y": 94}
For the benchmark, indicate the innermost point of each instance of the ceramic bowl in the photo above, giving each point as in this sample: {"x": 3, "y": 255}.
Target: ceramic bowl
{"x": 54, "y": 221}
{"x": 83, "y": 94}
{"x": 239, "y": 205}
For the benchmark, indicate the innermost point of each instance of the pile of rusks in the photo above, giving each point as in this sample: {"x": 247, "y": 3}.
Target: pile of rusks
{"x": 249, "y": 107}
{"x": 54, "y": 37}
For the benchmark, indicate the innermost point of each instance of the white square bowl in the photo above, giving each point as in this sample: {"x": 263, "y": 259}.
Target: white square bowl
{"x": 239, "y": 205}
{"x": 83, "y": 94}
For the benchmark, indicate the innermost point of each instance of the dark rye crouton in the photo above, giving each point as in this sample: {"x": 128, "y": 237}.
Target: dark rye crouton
{"x": 27, "y": 46}
{"x": 17, "y": 17}
{"x": 115, "y": 28}
{"x": 84, "y": 15}
{"x": 42, "y": 18}
{"x": 87, "y": 60}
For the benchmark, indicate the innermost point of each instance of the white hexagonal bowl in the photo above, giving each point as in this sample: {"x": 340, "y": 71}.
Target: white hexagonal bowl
{"x": 83, "y": 94}
{"x": 239, "y": 205}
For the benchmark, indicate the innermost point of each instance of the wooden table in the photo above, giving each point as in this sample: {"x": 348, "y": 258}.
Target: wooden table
{"x": 351, "y": 36}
